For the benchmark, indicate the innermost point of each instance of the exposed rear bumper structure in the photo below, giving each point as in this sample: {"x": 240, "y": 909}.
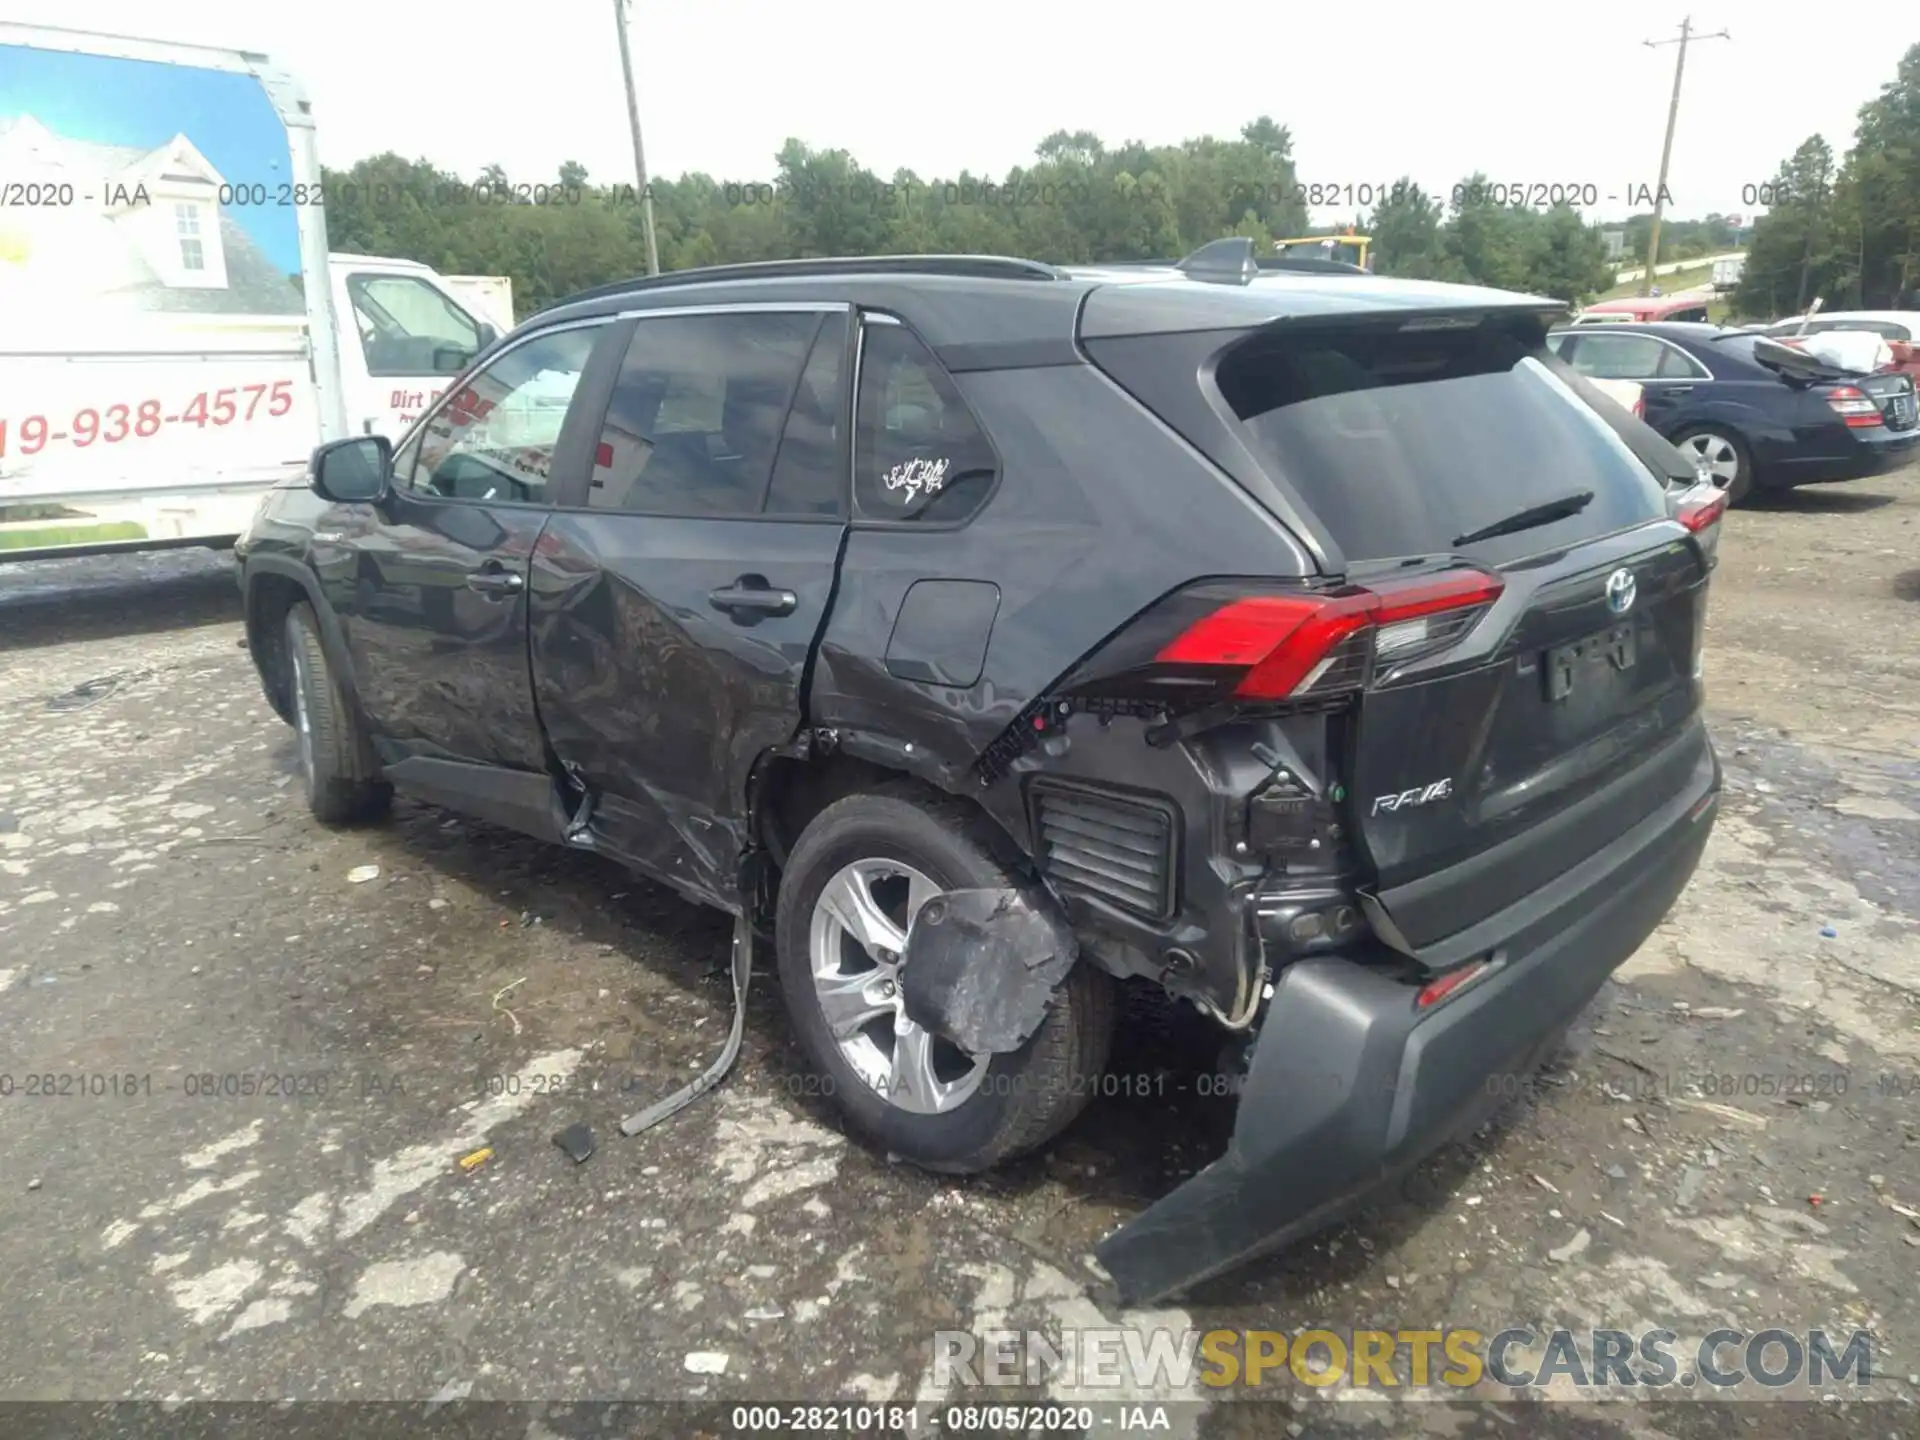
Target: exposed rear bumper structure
{"x": 1350, "y": 1084}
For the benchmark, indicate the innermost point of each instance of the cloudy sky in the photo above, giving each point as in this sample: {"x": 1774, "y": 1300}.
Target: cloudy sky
{"x": 1532, "y": 93}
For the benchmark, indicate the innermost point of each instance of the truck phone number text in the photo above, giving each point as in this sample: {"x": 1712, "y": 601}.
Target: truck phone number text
{"x": 110, "y": 424}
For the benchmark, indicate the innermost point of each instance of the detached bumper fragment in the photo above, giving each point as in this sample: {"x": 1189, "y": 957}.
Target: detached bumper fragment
{"x": 1351, "y": 1084}
{"x": 981, "y": 967}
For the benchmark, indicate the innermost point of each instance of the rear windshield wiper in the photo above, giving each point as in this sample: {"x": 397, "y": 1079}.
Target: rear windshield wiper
{"x": 1544, "y": 513}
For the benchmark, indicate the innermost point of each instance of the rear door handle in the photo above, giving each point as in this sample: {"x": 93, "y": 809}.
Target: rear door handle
{"x": 744, "y": 598}
{"x": 495, "y": 581}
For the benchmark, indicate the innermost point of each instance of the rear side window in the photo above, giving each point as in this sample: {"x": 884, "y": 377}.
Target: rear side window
{"x": 698, "y": 411}
{"x": 1631, "y": 357}
{"x": 1402, "y": 441}
{"x": 918, "y": 452}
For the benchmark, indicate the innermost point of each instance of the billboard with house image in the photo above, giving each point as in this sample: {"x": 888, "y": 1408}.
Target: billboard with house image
{"x": 133, "y": 191}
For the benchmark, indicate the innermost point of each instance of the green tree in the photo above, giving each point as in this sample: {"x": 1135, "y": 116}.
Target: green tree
{"x": 1791, "y": 250}
{"x": 1876, "y": 212}
{"x": 1485, "y": 238}
{"x": 1406, "y": 233}
{"x": 1081, "y": 200}
{"x": 1564, "y": 256}
{"x": 833, "y": 206}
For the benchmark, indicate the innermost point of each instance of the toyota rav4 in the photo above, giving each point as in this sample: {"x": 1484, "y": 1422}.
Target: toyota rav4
{"x": 1314, "y": 646}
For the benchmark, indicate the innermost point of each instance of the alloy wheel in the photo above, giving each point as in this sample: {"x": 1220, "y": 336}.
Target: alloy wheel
{"x": 1722, "y": 461}
{"x": 302, "y": 719}
{"x": 854, "y": 947}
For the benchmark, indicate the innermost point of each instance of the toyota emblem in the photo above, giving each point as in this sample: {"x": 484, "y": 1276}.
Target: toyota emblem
{"x": 1620, "y": 591}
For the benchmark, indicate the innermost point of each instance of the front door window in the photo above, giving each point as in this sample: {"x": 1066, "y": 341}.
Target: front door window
{"x": 493, "y": 439}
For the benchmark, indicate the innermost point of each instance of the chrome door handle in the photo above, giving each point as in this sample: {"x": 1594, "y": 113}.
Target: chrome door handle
{"x": 496, "y": 582}
{"x": 754, "y": 599}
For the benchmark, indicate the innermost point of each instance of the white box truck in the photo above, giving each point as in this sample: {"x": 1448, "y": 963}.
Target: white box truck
{"x": 1727, "y": 271}
{"x": 174, "y": 337}
{"x": 488, "y": 296}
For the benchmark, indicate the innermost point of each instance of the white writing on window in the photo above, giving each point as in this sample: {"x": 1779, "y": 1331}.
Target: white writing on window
{"x": 916, "y": 475}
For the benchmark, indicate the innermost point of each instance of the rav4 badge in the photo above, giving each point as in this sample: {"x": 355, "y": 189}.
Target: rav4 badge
{"x": 1419, "y": 795}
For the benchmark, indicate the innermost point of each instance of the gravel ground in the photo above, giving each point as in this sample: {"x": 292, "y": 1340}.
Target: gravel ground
{"x": 267, "y": 1069}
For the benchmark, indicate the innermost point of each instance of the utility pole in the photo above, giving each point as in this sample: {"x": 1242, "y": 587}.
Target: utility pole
{"x": 1666, "y": 148}
{"x": 639, "y": 151}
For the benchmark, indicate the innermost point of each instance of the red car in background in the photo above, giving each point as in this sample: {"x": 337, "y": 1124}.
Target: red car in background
{"x": 1690, "y": 305}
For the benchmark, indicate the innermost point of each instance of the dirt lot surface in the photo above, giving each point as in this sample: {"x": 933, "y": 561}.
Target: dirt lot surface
{"x": 1732, "y": 1139}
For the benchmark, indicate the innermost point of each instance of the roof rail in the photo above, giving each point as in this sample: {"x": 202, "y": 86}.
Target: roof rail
{"x": 973, "y": 267}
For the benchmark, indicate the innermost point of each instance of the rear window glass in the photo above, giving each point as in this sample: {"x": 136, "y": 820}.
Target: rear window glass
{"x": 1403, "y": 441}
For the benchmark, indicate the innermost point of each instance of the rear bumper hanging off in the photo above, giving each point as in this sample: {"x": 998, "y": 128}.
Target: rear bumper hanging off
{"x": 1351, "y": 1084}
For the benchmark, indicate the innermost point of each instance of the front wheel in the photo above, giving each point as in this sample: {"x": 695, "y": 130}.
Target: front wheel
{"x": 1724, "y": 456}
{"x": 859, "y": 873}
{"x": 337, "y": 760}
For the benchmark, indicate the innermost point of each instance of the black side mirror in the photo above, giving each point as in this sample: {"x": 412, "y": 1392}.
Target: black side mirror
{"x": 451, "y": 359}
{"x": 352, "y": 471}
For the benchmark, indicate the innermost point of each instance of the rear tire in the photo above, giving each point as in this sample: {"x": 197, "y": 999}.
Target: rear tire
{"x": 1726, "y": 455}
{"x": 337, "y": 759}
{"x": 900, "y": 846}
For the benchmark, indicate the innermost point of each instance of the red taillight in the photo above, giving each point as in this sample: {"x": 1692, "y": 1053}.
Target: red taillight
{"x": 1640, "y": 407}
{"x": 1448, "y": 983}
{"x": 1700, "y": 506}
{"x": 1289, "y": 644}
{"x": 1855, "y": 407}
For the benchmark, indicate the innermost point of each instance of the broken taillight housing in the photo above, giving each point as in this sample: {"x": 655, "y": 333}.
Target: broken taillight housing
{"x": 1450, "y": 983}
{"x": 1700, "y": 506}
{"x": 1301, "y": 645}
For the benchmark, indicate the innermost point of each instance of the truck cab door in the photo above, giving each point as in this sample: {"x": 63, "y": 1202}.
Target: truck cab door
{"x": 688, "y": 578}
{"x": 403, "y": 338}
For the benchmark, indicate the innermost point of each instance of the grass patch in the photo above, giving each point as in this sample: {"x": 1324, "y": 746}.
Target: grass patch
{"x": 43, "y": 536}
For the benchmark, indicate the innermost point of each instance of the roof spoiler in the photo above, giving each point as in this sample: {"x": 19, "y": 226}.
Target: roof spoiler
{"x": 1237, "y": 261}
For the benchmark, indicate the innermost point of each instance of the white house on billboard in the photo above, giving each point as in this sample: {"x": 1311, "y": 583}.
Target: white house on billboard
{"x": 144, "y": 226}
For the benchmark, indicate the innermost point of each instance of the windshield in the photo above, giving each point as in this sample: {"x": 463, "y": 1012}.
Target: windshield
{"x": 1402, "y": 440}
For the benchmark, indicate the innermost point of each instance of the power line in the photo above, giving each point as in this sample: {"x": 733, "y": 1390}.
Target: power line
{"x": 1666, "y": 148}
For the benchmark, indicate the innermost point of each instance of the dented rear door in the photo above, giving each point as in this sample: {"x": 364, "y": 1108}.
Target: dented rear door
{"x": 693, "y": 577}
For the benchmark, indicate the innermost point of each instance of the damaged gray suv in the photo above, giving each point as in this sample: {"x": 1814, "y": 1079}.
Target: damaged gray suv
{"x": 1313, "y": 646}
